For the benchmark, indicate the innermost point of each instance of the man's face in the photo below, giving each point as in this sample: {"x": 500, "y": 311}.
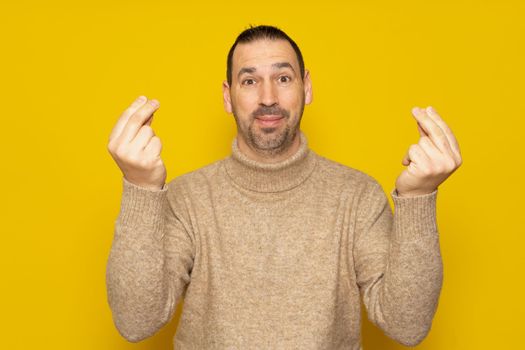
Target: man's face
{"x": 267, "y": 95}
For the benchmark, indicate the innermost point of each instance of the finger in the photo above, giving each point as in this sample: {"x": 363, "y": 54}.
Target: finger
{"x": 137, "y": 120}
{"x": 154, "y": 147}
{"x": 406, "y": 159}
{"x": 422, "y": 132}
{"x": 450, "y": 136}
{"x": 141, "y": 139}
{"x": 150, "y": 120}
{"x": 437, "y": 136}
{"x": 417, "y": 155}
{"x": 123, "y": 119}
{"x": 429, "y": 148}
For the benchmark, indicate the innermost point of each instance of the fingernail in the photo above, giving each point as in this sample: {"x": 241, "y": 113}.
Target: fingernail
{"x": 430, "y": 109}
{"x": 154, "y": 103}
{"x": 415, "y": 111}
{"x": 141, "y": 98}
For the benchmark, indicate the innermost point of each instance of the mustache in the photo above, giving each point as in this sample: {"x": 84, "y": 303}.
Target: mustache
{"x": 267, "y": 110}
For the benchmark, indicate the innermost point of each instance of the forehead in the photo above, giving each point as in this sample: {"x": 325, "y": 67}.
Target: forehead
{"x": 262, "y": 53}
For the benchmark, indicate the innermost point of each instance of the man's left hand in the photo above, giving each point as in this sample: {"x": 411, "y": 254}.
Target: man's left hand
{"x": 432, "y": 160}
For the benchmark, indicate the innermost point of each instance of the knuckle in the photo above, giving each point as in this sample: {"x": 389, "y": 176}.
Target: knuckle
{"x": 442, "y": 168}
{"x": 427, "y": 170}
{"x": 145, "y": 163}
{"x": 113, "y": 142}
{"x": 439, "y": 169}
{"x": 451, "y": 165}
{"x": 142, "y": 163}
{"x": 121, "y": 151}
{"x": 458, "y": 161}
{"x": 134, "y": 160}
{"x": 140, "y": 114}
{"x": 134, "y": 121}
{"x": 426, "y": 141}
{"x": 156, "y": 142}
{"x": 147, "y": 129}
{"x": 110, "y": 147}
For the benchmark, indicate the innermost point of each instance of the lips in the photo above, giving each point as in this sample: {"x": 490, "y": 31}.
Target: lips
{"x": 269, "y": 120}
{"x": 269, "y": 117}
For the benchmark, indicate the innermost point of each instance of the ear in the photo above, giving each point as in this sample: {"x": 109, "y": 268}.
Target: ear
{"x": 226, "y": 97}
{"x": 308, "y": 93}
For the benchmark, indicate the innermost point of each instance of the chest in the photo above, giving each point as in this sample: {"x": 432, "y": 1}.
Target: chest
{"x": 290, "y": 242}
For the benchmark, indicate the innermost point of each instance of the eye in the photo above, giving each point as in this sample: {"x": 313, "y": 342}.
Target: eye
{"x": 248, "y": 82}
{"x": 284, "y": 79}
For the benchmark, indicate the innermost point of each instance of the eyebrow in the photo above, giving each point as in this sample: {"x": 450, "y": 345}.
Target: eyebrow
{"x": 277, "y": 65}
{"x": 283, "y": 65}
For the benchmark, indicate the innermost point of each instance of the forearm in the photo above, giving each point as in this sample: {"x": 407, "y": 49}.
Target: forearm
{"x": 137, "y": 287}
{"x": 405, "y": 300}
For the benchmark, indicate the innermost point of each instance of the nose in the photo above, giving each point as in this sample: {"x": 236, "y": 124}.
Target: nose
{"x": 268, "y": 95}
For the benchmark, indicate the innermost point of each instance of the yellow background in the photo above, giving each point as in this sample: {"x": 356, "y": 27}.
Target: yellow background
{"x": 70, "y": 68}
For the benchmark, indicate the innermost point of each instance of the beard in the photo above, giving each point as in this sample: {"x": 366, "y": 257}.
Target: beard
{"x": 269, "y": 141}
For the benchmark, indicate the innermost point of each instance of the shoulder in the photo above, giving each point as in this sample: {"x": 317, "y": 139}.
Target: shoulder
{"x": 197, "y": 178}
{"x": 338, "y": 172}
{"x": 367, "y": 193}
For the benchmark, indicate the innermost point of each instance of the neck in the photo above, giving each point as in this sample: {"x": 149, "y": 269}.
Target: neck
{"x": 280, "y": 176}
{"x": 269, "y": 156}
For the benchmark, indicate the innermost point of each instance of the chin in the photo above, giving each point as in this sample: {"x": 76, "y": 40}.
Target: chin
{"x": 268, "y": 130}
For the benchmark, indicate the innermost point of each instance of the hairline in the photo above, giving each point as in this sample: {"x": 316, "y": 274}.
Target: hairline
{"x": 271, "y": 37}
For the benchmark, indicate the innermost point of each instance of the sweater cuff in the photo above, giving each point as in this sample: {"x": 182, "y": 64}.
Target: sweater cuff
{"x": 414, "y": 217}
{"x": 141, "y": 206}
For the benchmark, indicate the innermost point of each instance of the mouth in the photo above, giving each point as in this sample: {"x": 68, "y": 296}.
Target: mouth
{"x": 269, "y": 117}
{"x": 269, "y": 120}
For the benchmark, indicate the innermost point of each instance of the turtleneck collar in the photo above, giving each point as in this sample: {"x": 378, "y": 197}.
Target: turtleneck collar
{"x": 271, "y": 177}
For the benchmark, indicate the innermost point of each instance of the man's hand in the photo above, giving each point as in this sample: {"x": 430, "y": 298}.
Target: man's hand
{"x": 135, "y": 148}
{"x": 433, "y": 159}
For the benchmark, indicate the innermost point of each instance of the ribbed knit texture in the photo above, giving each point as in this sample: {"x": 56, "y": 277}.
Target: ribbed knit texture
{"x": 274, "y": 256}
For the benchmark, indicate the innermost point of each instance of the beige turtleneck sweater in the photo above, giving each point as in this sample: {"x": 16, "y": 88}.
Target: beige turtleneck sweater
{"x": 274, "y": 256}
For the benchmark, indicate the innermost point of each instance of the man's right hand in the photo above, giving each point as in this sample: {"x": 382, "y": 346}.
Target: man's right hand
{"x": 135, "y": 147}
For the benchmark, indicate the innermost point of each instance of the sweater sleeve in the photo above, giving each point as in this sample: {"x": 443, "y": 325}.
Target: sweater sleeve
{"x": 398, "y": 263}
{"x": 150, "y": 260}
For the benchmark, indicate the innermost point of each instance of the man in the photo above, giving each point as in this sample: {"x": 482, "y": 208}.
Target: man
{"x": 273, "y": 246}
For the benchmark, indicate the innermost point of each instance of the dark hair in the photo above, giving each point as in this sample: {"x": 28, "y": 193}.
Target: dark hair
{"x": 259, "y": 33}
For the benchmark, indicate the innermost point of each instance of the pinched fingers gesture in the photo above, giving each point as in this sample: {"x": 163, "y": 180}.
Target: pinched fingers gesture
{"x": 433, "y": 159}
{"x": 135, "y": 147}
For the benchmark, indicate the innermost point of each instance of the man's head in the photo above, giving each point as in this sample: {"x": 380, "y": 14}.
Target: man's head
{"x": 266, "y": 89}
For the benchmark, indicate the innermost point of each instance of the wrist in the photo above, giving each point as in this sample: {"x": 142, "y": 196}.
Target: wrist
{"x": 146, "y": 186}
{"x": 413, "y": 193}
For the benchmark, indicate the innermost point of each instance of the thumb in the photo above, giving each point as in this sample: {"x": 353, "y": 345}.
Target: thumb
{"x": 406, "y": 160}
